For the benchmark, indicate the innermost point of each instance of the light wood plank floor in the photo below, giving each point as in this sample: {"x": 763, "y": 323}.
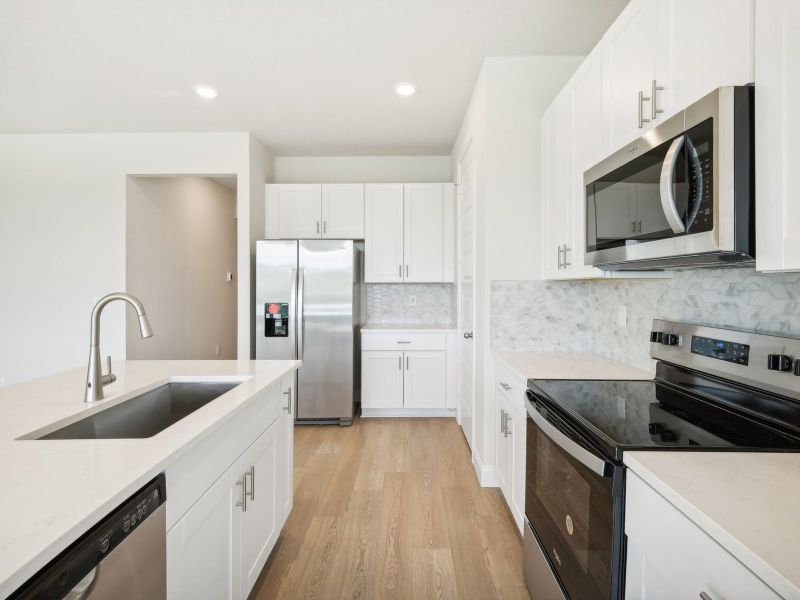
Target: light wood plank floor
{"x": 392, "y": 509}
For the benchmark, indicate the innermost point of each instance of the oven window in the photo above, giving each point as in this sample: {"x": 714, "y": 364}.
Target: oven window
{"x": 623, "y": 208}
{"x": 571, "y": 509}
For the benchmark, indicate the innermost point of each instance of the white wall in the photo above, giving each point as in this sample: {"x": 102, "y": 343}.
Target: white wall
{"x": 503, "y": 126}
{"x": 180, "y": 243}
{"x": 62, "y": 234}
{"x": 366, "y": 169}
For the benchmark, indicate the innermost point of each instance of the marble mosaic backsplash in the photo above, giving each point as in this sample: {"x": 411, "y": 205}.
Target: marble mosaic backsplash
{"x": 390, "y": 303}
{"x": 582, "y": 315}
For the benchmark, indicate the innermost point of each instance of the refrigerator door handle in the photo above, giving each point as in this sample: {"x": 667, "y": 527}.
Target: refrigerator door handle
{"x": 293, "y": 312}
{"x": 299, "y": 314}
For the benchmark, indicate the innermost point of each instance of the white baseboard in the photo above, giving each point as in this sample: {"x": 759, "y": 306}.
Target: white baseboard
{"x": 487, "y": 476}
{"x": 407, "y": 412}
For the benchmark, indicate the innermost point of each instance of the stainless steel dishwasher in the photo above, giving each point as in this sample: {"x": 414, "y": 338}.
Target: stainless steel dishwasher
{"x": 123, "y": 556}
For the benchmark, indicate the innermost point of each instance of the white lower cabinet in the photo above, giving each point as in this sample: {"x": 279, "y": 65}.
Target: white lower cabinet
{"x": 203, "y": 547}
{"x": 381, "y": 379}
{"x": 218, "y": 547}
{"x": 668, "y": 556}
{"x": 509, "y": 429}
{"x": 408, "y": 373}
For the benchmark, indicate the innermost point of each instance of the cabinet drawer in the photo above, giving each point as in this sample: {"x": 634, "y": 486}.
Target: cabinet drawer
{"x": 670, "y": 557}
{"x": 403, "y": 341}
{"x": 510, "y": 384}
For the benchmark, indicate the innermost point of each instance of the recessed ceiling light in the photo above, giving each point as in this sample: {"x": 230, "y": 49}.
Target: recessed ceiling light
{"x": 405, "y": 89}
{"x": 205, "y": 91}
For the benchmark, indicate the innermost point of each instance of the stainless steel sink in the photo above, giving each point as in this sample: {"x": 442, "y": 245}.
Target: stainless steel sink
{"x": 144, "y": 415}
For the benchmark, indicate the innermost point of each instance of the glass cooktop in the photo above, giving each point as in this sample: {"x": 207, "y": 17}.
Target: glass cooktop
{"x": 700, "y": 414}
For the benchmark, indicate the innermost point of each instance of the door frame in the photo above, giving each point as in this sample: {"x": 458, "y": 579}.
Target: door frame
{"x": 468, "y": 150}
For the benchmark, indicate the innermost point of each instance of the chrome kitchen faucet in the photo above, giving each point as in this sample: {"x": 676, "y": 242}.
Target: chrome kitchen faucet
{"x": 95, "y": 380}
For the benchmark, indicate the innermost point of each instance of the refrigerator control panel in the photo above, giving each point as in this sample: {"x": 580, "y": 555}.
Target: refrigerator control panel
{"x": 276, "y": 319}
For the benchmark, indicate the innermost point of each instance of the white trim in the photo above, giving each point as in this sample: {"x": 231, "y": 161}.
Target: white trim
{"x": 407, "y": 412}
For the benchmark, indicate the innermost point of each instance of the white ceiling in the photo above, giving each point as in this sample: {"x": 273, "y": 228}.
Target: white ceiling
{"x": 307, "y": 77}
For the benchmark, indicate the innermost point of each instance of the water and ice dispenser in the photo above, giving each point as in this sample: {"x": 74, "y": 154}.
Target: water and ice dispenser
{"x": 276, "y": 319}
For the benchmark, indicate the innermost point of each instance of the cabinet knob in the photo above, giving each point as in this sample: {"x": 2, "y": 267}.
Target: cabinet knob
{"x": 467, "y": 335}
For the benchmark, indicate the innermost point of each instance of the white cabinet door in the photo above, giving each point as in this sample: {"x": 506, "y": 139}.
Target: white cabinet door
{"x": 424, "y": 232}
{"x": 381, "y": 379}
{"x": 343, "y": 211}
{"x": 629, "y": 67}
{"x": 702, "y": 46}
{"x": 557, "y": 149}
{"x": 668, "y": 556}
{"x": 503, "y": 458}
{"x": 203, "y": 547}
{"x": 286, "y": 451}
{"x": 587, "y": 148}
{"x": 383, "y": 233}
{"x": 259, "y": 522}
{"x": 424, "y": 384}
{"x": 293, "y": 211}
{"x": 777, "y": 74}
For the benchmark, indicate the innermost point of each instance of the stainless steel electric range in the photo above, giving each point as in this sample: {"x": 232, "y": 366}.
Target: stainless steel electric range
{"x": 714, "y": 389}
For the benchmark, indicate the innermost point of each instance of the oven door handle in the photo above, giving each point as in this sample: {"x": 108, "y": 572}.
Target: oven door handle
{"x": 582, "y": 455}
{"x": 667, "y": 197}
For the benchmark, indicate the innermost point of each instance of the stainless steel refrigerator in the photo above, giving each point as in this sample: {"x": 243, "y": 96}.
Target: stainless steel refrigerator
{"x": 309, "y": 306}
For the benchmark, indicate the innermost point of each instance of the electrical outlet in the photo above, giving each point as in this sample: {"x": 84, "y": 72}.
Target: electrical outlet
{"x": 412, "y": 300}
{"x": 622, "y": 316}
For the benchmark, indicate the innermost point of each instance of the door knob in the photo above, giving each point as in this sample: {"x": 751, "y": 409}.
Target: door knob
{"x": 467, "y": 335}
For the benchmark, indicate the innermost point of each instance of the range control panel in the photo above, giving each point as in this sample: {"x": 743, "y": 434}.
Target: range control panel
{"x": 721, "y": 349}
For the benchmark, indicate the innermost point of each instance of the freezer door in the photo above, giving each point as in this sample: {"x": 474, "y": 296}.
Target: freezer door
{"x": 326, "y": 330}
{"x": 276, "y": 274}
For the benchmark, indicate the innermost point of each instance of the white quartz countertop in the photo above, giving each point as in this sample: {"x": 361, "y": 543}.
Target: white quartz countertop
{"x": 405, "y": 328}
{"x": 568, "y": 365}
{"x": 55, "y": 490}
{"x": 747, "y": 501}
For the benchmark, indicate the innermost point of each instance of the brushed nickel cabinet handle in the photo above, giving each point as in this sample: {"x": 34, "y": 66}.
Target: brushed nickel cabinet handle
{"x": 566, "y": 263}
{"x": 705, "y": 596}
{"x": 252, "y": 474}
{"x": 505, "y": 386}
{"x": 243, "y": 502}
{"x": 400, "y": 362}
{"x": 324, "y": 227}
{"x": 288, "y": 407}
{"x": 642, "y": 100}
{"x": 317, "y": 226}
{"x": 654, "y": 99}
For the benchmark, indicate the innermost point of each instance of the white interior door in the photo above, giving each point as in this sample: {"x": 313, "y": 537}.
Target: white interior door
{"x": 466, "y": 293}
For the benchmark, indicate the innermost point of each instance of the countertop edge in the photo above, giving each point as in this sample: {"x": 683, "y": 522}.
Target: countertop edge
{"x": 739, "y": 550}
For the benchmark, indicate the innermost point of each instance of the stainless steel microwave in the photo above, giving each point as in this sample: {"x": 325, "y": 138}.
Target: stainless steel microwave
{"x": 680, "y": 196}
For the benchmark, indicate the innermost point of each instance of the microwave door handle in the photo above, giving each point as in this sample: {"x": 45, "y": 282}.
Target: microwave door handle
{"x": 582, "y": 455}
{"x": 667, "y": 197}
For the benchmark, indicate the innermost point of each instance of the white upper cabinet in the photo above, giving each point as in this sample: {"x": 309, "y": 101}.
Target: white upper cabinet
{"x": 423, "y": 221}
{"x": 629, "y": 67}
{"x": 308, "y": 211}
{"x": 777, "y": 74}
{"x": 343, "y": 211}
{"x": 410, "y": 232}
{"x": 660, "y": 56}
{"x": 293, "y": 211}
{"x": 701, "y": 46}
{"x": 383, "y": 232}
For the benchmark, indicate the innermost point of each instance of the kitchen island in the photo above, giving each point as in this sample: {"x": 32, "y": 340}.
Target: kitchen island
{"x": 55, "y": 490}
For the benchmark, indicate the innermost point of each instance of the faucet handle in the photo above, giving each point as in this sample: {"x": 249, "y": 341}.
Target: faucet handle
{"x": 108, "y": 377}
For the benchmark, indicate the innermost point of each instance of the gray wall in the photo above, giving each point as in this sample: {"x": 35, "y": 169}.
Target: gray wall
{"x": 180, "y": 242}
{"x": 582, "y": 315}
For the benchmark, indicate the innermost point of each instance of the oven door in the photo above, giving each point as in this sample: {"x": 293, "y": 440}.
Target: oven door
{"x": 573, "y": 501}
